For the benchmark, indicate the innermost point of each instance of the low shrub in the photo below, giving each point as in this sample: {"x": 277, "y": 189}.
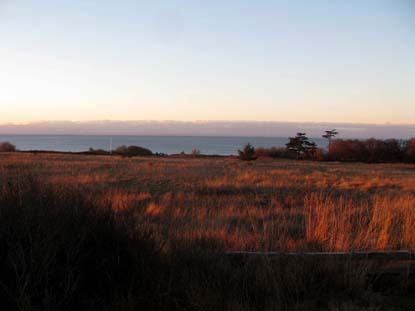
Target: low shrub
{"x": 7, "y": 147}
{"x": 97, "y": 151}
{"x": 369, "y": 150}
{"x": 132, "y": 151}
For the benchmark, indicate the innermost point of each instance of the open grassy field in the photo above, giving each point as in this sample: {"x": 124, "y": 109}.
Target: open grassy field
{"x": 263, "y": 205}
{"x": 84, "y": 232}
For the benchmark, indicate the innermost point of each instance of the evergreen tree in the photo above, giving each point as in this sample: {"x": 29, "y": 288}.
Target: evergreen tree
{"x": 301, "y": 146}
{"x": 248, "y": 153}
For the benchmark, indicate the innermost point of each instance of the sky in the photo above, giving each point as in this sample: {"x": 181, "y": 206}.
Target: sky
{"x": 290, "y": 61}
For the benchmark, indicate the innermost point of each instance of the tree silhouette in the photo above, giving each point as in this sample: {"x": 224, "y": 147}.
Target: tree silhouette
{"x": 248, "y": 153}
{"x": 301, "y": 145}
{"x": 330, "y": 135}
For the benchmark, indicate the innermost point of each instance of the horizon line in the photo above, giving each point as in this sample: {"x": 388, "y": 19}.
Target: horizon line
{"x": 204, "y": 121}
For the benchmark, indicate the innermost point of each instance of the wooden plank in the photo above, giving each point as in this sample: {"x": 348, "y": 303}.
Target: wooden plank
{"x": 393, "y": 263}
{"x": 382, "y": 255}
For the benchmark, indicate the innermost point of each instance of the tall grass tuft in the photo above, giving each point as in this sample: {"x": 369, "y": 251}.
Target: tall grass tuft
{"x": 59, "y": 250}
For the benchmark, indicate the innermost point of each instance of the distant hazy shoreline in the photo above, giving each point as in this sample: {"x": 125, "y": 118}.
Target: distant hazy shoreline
{"x": 208, "y": 129}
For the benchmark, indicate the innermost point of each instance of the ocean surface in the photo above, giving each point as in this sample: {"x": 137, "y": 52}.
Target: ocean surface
{"x": 165, "y": 144}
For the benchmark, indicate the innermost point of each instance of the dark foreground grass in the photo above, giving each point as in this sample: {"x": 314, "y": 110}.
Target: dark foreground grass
{"x": 62, "y": 249}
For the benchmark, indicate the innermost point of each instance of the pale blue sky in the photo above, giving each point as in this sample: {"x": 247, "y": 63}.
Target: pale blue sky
{"x": 332, "y": 60}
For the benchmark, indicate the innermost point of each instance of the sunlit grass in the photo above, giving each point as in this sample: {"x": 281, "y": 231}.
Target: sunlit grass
{"x": 268, "y": 205}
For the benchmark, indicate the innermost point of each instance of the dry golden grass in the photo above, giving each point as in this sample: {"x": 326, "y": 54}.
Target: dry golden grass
{"x": 266, "y": 205}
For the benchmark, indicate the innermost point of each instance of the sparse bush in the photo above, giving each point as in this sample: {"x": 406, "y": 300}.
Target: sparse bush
{"x": 7, "y": 147}
{"x": 195, "y": 152}
{"x": 248, "y": 153}
{"x": 97, "y": 151}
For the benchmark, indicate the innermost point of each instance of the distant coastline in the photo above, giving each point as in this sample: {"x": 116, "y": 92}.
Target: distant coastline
{"x": 208, "y": 129}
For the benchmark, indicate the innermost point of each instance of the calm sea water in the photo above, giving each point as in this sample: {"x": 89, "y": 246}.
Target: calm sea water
{"x": 165, "y": 144}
